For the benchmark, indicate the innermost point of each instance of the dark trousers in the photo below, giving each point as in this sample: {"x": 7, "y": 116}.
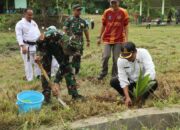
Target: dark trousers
{"x": 116, "y": 85}
{"x": 65, "y": 69}
{"x": 92, "y": 25}
{"x": 148, "y": 26}
{"x": 76, "y": 63}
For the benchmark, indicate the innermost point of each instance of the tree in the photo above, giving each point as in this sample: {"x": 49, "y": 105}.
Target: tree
{"x": 42, "y": 5}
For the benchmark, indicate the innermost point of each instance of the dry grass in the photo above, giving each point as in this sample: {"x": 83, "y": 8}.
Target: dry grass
{"x": 162, "y": 42}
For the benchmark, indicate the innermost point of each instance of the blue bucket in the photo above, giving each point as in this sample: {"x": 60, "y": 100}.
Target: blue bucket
{"x": 29, "y": 100}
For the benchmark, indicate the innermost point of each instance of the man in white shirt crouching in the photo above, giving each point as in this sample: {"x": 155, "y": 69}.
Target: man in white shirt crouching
{"x": 131, "y": 61}
{"x": 27, "y": 33}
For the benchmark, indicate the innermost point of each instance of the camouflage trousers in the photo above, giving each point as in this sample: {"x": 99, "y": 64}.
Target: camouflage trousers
{"x": 65, "y": 69}
{"x": 76, "y": 61}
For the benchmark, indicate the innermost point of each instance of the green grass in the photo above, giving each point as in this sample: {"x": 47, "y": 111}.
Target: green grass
{"x": 162, "y": 42}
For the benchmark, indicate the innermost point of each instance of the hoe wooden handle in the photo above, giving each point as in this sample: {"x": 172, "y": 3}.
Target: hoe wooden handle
{"x": 50, "y": 83}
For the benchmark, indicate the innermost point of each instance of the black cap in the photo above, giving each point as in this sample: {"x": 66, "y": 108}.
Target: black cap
{"x": 127, "y": 50}
{"x": 76, "y": 6}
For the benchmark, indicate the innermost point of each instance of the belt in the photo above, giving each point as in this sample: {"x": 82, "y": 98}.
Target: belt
{"x": 30, "y": 43}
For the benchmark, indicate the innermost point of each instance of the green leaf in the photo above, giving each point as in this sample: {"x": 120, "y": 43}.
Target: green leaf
{"x": 141, "y": 85}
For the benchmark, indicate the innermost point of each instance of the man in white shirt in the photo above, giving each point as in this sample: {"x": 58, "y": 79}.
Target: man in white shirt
{"x": 27, "y": 33}
{"x": 131, "y": 61}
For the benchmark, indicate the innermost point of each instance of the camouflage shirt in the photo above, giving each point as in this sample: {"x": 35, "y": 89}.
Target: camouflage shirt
{"x": 75, "y": 26}
{"x": 48, "y": 48}
{"x": 69, "y": 45}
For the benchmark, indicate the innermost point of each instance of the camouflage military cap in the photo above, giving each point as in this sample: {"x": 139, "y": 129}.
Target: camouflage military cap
{"x": 52, "y": 30}
{"x": 76, "y": 6}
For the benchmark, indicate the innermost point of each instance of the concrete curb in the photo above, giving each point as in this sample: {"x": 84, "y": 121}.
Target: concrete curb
{"x": 150, "y": 118}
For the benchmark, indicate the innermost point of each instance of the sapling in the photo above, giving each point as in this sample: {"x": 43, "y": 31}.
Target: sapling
{"x": 143, "y": 85}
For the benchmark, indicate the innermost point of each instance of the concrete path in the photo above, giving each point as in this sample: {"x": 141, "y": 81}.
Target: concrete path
{"x": 155, "y": 118}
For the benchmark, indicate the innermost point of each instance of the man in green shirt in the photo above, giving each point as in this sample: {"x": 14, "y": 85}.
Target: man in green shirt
{"x": 75, "y": 26}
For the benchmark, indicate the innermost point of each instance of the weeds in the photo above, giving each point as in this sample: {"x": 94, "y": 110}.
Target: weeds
{"x": 102, "y": 99}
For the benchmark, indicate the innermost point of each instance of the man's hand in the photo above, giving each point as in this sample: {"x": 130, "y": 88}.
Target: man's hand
{"x": 56, "y": 89}
{"x": 24, "y": 49}
{"x": 128, "y": 101}
{"x": 37, "y": 59}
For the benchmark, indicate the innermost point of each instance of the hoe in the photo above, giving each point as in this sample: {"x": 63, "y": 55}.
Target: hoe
{"x": 50, "y": 84}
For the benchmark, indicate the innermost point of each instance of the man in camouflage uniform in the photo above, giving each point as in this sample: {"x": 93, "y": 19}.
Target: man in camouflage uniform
{"x": 75, "y": 25}
{"x": 61, "y": 46}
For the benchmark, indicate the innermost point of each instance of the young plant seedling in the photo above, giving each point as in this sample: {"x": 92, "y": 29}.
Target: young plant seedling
{"x": 143, "y": 85}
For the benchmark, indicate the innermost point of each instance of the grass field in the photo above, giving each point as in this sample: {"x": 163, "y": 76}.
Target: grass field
{"x": 162, "y": 42}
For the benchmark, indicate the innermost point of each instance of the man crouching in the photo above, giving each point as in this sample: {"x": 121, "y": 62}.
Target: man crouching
{"x": 132, "y": 61}
{"x": 62, "y": 47}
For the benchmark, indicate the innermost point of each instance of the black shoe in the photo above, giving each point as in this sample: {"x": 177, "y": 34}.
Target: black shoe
{"x": 78, "y": 97}
{"x": 47, "y": 96}
{"x": 101, "y": 77}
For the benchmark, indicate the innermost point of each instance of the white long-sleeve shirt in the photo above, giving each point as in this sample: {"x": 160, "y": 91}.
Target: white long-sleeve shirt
{"x": 129, "y": 71}
{"x": 27, "y": 31}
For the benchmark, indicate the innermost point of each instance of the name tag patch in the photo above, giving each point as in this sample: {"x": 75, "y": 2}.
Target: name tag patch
{"x": 110, "y": 17}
